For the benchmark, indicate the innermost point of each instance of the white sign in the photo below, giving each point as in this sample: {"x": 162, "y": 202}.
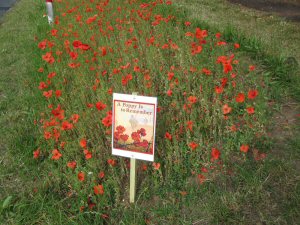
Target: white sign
{"x": 133, "y": 127}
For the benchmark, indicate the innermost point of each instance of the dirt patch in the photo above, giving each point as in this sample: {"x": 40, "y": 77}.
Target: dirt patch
{"x": 286, "y": 121}
{"x": 288, "y": 9}
{"x": 286, "y": 128}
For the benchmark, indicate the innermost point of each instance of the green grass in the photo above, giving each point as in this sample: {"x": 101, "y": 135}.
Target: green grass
{"x": 258, "y": 193}
{"x": 18, "y": 103}
{"x": 267, "y": 38}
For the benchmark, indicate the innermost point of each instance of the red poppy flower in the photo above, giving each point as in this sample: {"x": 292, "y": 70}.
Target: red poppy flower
{"x": 48, "y": 94}
{"x": 190, "y": 125}
{"x": 251, "y": 68}
{"x": 47, "y": 135}
{"x": 91, "y": 204}
{"x": 196, "y": 49}
{"x": 218, "y": 35}
{"x": 206, "y": 71}
{"x": 80, "y": 176}
{"x": 103, "y": 51}
{"x": 87, "y": 153}
{"x": 168, "y": 136}
{"x": 193, "y": 145}
{"x": 66, "y": 125}
{"x": 220, "y": 43}
{"x": 56, "y": 134}
{"x": 112, "y": 162}
{"x": 74, "y": 65}
{"x": 224, "y": 81}
{"x": 101, "y": 175}
{"x": 75, "y": 118}
{"x": 58, "y": 113}
{"x": 107, "y": 121}
{"x": 236, "y": 45}
{"x": 58, "y": 93}
{"x": 240, "y": 98}
{"x": 43, "y": 44}
{"x": 76, "y": 43}
{"x": 200, "y": 34}
{"x": 36, "y": 153}
{"x": 83, "y": 143}
{"x": 48, "y": 58}
{"x": 189, "y": 34}
{"x": 192, "y": 99}
{"x": 215, "y": 154}
{"x": 204, "y": 170}
{"x": 170, "y": 75}
{"x": 252, "y": 94}
{"x": 156, "y": 166}
{"x": 244, "y": 148}
{"x": 98, "y": 190}
{"x": 201, "y": 178}
{"x": 42, "y": 85}
{"x": 187, "y": 23}
{"x": 100, "y": 106}
{"x": 56, "y": 154}
{"x": 218, "y": 89}
{"x": 91, "y": 19}
{"x": 72, "y": 165}
{"x": 169, "y": 92}
{"x": 250, "y": 110}
{"x": 144, "y": 167}
{"x": 73, "y": 55}
{"x": 226, "y": 109}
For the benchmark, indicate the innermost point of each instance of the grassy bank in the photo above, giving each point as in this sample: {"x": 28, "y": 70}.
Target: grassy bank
{"x": 18, "y": 102}
{"x": 263, "y": 192}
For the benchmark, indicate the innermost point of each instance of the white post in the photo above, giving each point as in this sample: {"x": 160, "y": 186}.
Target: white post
{"x": 50, "y": 14}
{"x": 132, "y": 180}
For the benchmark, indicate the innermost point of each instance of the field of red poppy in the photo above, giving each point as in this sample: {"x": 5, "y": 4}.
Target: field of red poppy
{"x": 213, "y": 147}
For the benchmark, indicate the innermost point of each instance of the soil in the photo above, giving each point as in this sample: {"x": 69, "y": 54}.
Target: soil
{"x": 286, "y": 126}
{"x": 289, "y": 9}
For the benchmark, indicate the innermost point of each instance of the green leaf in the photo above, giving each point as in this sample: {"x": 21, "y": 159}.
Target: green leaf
{"x": 6, "y": 202}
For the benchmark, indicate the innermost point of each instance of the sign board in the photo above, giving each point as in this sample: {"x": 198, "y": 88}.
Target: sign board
{"x": 133, "y": 128}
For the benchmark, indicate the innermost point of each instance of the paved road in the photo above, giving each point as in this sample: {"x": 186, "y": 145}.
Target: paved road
{"x": 5, "y": 5}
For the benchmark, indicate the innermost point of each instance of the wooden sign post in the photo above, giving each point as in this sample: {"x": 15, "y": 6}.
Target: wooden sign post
{"x": 132, "y": 173}
{"x": 132, "y": 180}
{"x": 133, "y": 131}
